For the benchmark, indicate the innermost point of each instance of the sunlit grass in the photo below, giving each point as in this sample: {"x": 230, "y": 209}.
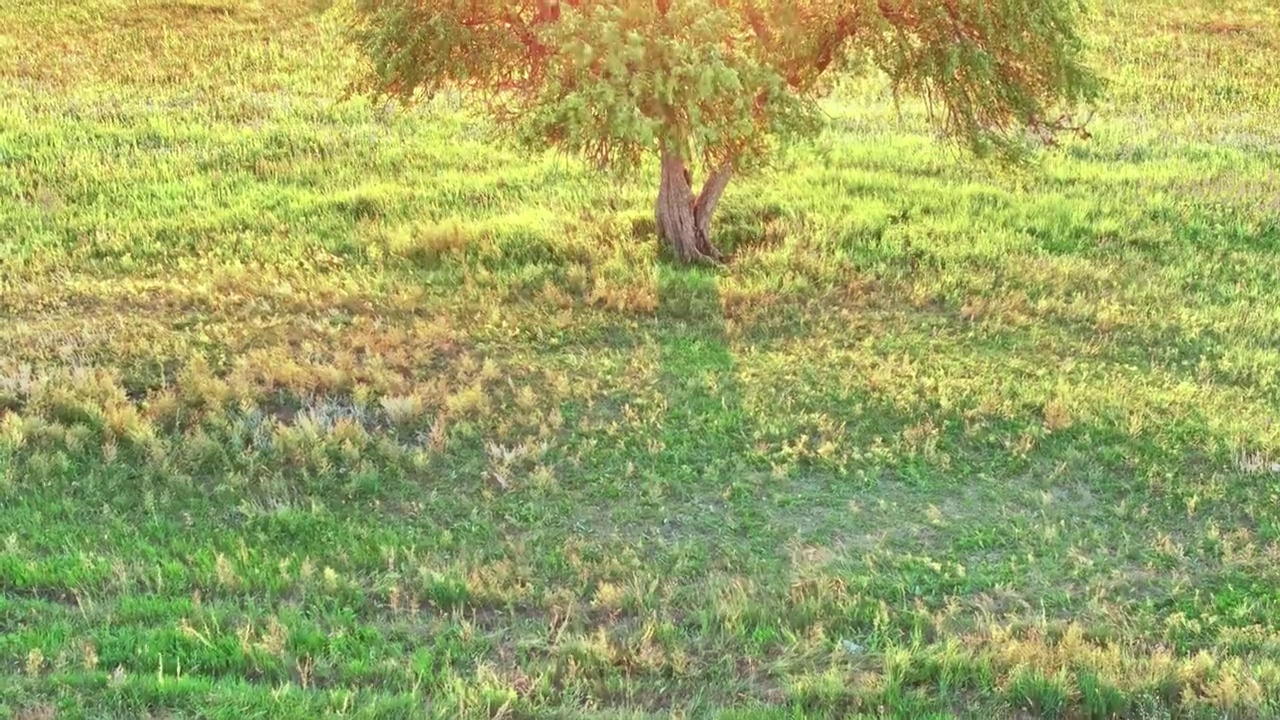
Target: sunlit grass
{"x": 309, "y": 406}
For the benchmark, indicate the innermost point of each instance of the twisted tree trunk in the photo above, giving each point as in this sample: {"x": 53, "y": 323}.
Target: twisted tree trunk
{"x": 684, "y": 221}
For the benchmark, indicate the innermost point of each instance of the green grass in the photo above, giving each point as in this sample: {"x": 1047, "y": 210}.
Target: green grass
{"x": 309, "y": 407}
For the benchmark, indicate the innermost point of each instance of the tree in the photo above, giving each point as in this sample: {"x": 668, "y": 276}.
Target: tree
{"x": 716, "y": 83}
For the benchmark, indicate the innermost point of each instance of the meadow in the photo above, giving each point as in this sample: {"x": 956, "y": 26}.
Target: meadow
{"x": 311, "y": 406}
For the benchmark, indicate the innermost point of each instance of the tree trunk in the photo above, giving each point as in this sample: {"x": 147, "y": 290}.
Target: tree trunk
{"x": 684, "y": 221}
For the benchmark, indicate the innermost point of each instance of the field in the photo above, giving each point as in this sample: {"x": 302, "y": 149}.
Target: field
{"x": 311, "y": 406}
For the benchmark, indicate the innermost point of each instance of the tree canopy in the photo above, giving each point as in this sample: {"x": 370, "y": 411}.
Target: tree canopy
{"x": 715, "y": 82}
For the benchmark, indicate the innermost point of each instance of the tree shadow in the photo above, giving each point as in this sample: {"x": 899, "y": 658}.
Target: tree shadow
{"x": 725, "y": 505}
{"x": 705, "y": 427}
{"x": 718, "y": 436}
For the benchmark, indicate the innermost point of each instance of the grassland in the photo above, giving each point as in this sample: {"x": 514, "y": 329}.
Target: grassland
{"x": 310, "y": 407}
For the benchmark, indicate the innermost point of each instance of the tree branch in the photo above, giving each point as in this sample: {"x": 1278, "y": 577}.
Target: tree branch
{"x": 712, "y": 190}
{"x": 704, "y": 208}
